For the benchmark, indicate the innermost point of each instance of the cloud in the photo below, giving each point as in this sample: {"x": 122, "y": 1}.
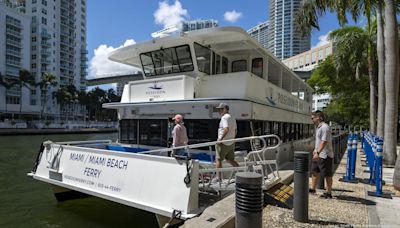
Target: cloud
{"x": 100, "y": 65}
{"x": 170, "y": 15}
{"x": 322, "y": 40}
{"x": 232, "y": 16}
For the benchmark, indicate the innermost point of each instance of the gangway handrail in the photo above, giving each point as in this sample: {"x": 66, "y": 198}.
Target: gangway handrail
{"x": 213, "y": 143}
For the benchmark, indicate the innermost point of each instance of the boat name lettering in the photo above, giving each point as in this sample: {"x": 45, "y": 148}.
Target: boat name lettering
{"x": 157, "y": 92}
{"x": 95, "y": 160}
{"x": 76, "y": 157}
{"x": 115, "y": 163}
{"x": 284, "y": 99}
{"x": 90, "y": 172}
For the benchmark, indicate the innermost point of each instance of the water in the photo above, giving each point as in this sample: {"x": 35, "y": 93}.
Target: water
{"x": 25, "y": 202}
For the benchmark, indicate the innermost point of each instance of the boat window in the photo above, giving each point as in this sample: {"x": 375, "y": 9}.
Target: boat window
{"x": 167, "y": 61}
{"x": 217, "y": 64}
{"x": 127, "y": 132}
{"x": 257, "y": 67}
{"x": 147, "y": 63}
{"x": 203, "y": 56}
{"x": 184, "y": 58}
{"x": 224, "y": 65}
{"x": 239, "y": 65}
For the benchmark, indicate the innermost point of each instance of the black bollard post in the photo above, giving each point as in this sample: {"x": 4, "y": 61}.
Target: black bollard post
{"x": 249, "y": 200}
{"x": 301, "y": 173}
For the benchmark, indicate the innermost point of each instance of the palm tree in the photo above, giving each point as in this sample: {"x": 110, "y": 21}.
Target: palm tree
{"x": 26, "y": 79}
{"x": 381, "y": 72}
{"x": 391, "y": 88}
{"x": 308, "y": 18}
{"x": 48, "y": 80}
{"x": 7, "y": 85}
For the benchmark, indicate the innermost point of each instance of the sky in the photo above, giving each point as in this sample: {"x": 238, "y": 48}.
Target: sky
{"x": 117, "y": 23}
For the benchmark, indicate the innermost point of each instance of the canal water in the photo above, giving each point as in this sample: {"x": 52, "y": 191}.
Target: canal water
{"x": 25, "y": 202}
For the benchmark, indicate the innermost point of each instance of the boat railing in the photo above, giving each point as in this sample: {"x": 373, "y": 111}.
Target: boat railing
{"x": 222, "y": 179}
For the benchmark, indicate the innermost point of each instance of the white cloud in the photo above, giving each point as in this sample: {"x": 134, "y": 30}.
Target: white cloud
{"x": 322, "y": 40}
{"x": 232, "y": 16}
{"x": 101, "y": 65}
{"x": 170, "y": 15}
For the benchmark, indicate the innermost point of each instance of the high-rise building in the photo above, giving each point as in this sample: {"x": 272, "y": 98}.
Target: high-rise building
{"x": 55, "y": 40}
{"x": 14, "y": 56}
{"x": 285, "y": 40}
{"x": 260, "y": 33}
{"x": 198, "y": 24}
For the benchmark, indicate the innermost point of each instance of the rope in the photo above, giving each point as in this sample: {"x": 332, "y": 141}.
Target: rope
{"x": 187, "y": 179}
{"x": 176, "y": 214}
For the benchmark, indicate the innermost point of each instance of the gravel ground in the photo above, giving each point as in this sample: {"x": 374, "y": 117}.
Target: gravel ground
{"x": 348, "y": 208}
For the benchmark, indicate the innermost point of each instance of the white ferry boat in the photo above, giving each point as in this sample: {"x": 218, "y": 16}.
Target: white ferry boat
{"x": 190, "y": 74}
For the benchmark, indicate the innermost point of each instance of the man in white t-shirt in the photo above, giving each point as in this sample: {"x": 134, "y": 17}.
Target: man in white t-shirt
{"x": 227, "y": 130}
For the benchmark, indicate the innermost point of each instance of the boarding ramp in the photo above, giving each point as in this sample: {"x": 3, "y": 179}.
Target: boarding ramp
{"x": 261, "y": 160}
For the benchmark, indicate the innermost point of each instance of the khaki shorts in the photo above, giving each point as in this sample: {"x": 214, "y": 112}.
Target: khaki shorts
{"x": 225, "y": 152}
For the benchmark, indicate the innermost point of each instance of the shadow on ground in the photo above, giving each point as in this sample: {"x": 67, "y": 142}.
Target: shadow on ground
{"x": 341, "y": 190}
{"x": 355, "y": 199}
{"x": 329, "y": 223}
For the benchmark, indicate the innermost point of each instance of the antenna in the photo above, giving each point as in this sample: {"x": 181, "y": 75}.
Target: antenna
{"x": 165, "y": 32}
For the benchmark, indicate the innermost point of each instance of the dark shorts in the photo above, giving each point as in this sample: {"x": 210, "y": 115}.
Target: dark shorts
{"x": 322, "y": 166}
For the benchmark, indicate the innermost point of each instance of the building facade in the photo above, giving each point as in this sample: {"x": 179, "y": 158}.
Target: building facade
{"x": 285, "y": 40}
{"x": 260, "y": 33}
{"x": 198, "y": 24}
{"x": 14, "y": 56}
{"x": 55, "y": 40}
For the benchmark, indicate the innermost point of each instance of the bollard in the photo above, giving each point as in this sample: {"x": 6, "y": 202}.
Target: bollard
{"x": 301, "y": 173}
{"x": 354, "y": 157}
{"x": 348, "y": 164}
{"x": 378, "y": 172}
{"x": 348, "y": 176}
{"x": 249, "y": 200}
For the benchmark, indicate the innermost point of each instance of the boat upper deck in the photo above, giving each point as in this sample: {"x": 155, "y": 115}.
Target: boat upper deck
{"x": 223, "y": 63}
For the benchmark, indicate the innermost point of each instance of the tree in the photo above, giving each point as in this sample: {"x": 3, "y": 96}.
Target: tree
{"x": 26, "y": 79}
{"x": 349, "y": 105}
{"x": 380, "y": 48}
{"x": 7, "y": 84}
{"x": 391, "y": 89}
{"x": 48, "y": 80}
{"x": 308, "y": 19}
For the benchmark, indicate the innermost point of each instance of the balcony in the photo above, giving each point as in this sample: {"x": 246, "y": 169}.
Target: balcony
{"x": 45, "y": 52}
{"x": 14, "y": 23}
{"x": 45, "y": 61}
{"x": 45, "y": 35}
{"x": 13, "y": 63}
{"x": 13, "y": 33}
{"x": 45, "y": 44}
{"x": 13, "y": 53}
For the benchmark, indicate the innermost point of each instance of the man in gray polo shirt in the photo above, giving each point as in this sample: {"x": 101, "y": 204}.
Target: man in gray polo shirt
{"x": 322, "y": 154}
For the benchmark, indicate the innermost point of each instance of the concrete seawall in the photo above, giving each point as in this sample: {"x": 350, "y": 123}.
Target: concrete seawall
{"x": 11, "y": 131}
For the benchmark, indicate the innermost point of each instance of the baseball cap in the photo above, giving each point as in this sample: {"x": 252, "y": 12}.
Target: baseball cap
{"x": 222, "y": 105}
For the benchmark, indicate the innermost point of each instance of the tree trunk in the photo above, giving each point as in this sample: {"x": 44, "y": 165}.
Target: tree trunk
{"x": 381, "y": 74}
{"x": 372, "y": 91}
{"x": 391, "y": 85}
{"x": 20, "y": 105}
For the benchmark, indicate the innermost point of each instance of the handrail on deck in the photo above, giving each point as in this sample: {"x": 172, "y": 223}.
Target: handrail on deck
{"x": 213, "y": 143}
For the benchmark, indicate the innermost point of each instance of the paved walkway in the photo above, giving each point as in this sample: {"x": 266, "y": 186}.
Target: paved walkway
{"x": 385, "y": 212}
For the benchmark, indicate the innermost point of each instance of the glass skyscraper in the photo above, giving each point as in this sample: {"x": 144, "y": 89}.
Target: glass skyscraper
{"x": 284, "y": 39}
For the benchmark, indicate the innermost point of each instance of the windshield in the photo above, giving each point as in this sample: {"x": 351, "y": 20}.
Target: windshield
{"x": 167, "y": 61}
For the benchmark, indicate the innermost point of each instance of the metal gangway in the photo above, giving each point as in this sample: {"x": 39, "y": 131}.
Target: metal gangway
{"x": 219, "y": 180}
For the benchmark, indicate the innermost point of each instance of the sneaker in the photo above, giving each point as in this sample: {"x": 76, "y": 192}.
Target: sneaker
{"x": 310, "y": 190}
{"x": 216, "y": 180}
{"x": 326, "y": 195}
